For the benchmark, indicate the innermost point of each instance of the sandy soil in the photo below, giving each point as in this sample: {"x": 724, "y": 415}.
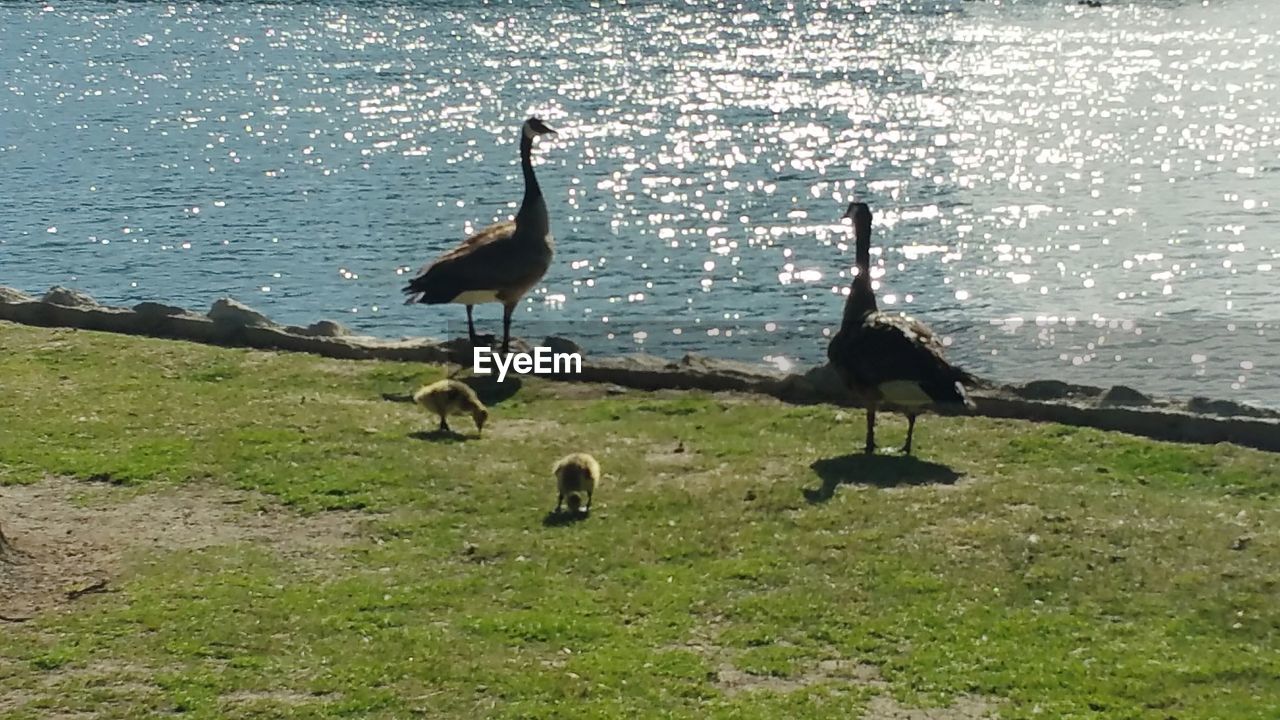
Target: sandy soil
{"x": 70, "y": 537}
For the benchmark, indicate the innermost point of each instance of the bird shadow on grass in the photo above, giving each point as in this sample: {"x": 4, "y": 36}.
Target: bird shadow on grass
{"x": 558, "y": 518}
{"x": 882, "y": 471}
{"x": 490, "y": 391}
{"x": 440, "y": 436}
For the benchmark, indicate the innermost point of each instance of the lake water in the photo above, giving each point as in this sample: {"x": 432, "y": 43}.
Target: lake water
{"x": 1074, "y": 193}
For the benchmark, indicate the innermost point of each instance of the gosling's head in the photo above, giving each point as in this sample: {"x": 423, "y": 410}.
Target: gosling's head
{"x": 480, "y": 415}
{"x": 534, "y": 127}
{"x": 575, "y": 502}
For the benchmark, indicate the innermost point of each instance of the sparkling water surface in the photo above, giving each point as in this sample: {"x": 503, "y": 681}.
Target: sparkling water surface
{"x": 1067, "y": 192}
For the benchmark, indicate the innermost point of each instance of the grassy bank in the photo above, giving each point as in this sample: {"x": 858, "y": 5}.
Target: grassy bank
{"x": 279, "y": 539}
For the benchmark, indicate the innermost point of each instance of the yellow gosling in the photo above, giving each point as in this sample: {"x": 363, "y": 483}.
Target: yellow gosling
{"x": 450, "y": 397}
{"x": 577, "y": 475}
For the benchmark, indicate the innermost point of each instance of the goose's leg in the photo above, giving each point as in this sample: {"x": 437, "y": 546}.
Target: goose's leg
{"x": 471, "y": 327}
{"x": 911, "y": 426}
{"x": 506, "y": 326}
{"x": 871, "y": 427}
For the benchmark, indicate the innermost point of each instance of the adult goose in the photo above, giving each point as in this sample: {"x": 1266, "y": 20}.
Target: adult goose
{"x": 889, "y": 360}
{"x": 501, "y": 262}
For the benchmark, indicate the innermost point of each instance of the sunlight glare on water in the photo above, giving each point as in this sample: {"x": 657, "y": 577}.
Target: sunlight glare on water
{"x": 1066, "y": 192}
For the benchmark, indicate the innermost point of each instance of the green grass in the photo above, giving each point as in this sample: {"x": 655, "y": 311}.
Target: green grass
{"x": 1051, "y": 572}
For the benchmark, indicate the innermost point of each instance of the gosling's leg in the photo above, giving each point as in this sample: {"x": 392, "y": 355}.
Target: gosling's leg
{"x": 871, "y": 427}
{"x": 471, "y": 327}
{"x": 444, "y": 424}
{"x": 911, "y": 426}
{"x": 559, "y": 502}
{"x": 587, "y": 509}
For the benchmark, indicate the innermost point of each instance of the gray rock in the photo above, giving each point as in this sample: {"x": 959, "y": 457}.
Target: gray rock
{"x": 234, "y": 313}
{"x": 323, "y": 328}
{"x": 13, "y": 295}
{"x": 640, "y": 362}
{"x": 1225, "y": 408}
{"x": 816, "y": 385}
{"x": 66, "y": 297}
{"x": 460, "y": 351}
{"x": 1054, "y": 390}
{"x": 703, "y": 364}
{"x": 1123, "y": 395}
{"x": 328, "y": 328}
{"x": 158, "y": 310}
{"x": 562, "y": 345}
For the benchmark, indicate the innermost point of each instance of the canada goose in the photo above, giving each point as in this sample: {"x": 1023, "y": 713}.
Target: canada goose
{"x": 887, "y": 359}
{"x": 577, "y": 474}
{"x": 450, "y": 397}
{"x": 501, "y": 262}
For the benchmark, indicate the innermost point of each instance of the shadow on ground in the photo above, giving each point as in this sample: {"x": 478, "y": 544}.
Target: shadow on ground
{"x": 883, "y": 471}
{"x": 557, "y": 518}
{"x": 441, "y": 436}
{"x": 490, "y": 391}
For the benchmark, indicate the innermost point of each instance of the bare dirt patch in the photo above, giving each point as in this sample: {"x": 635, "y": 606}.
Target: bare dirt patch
{"x": 966, "y": 707}
{"x": 834, "y": 671}
{"x": 6, "y": 551}
{"x": 732, "y": 681}
{"x": 675, "y": 457}
{"x": 501, "y": 427}
{"x": 72, "y": 537}
{"x": 275, "y": 697}
{"x": 881, "y": 707}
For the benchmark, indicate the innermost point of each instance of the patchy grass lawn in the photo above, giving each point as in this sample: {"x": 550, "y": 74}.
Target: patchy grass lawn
{"x": 281, "y": 540}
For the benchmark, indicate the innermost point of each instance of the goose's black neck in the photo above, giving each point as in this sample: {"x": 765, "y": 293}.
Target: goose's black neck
{"x": 862, "y": 240}
{"x": 532, "y": 193}
{"x": 862, "y": 299}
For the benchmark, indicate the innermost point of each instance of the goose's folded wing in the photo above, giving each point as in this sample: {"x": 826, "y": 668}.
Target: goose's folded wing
{"x": 924, "y": 334}
{"x": 887, "y": 348}
{"x": 484, "y": 261}
{"x": 487, "y": 236}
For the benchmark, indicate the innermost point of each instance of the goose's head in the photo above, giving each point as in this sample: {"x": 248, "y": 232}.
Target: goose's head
{"x": 858, "y": 211}
{"x": 534, "y": 127}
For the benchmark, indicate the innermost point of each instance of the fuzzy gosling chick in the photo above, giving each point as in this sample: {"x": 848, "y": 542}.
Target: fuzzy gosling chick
{"x": 450, "y": 397}
{"x": 577, "y": 475}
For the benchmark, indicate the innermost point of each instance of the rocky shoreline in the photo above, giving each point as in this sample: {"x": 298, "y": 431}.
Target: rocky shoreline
{"x": 231, "y": 323}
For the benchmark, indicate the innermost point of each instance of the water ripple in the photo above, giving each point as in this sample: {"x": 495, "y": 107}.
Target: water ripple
{"x": 1070, "y": 192}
